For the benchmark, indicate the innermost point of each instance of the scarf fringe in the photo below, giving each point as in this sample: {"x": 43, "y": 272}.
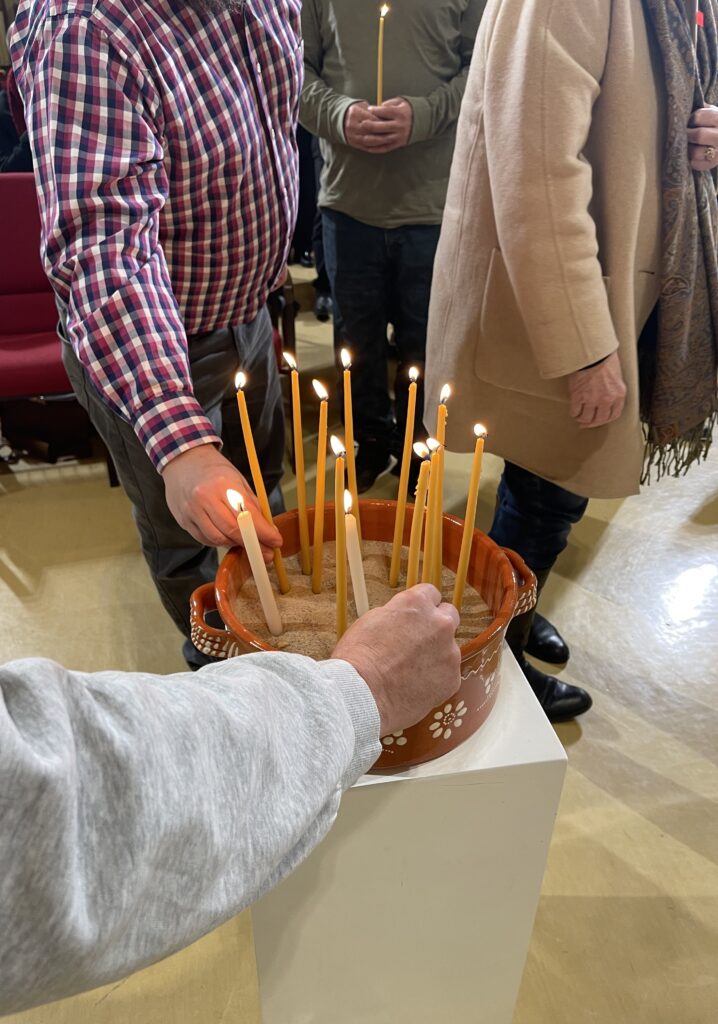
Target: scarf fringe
{"x": 675, "y": 458}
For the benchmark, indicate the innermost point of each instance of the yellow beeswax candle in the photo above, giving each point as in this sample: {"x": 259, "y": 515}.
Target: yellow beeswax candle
{"x": 299, "y": 465}
{"x": 349, "y": 433}
{"x": 403, "y": 480}
{"x": 469, "y": 519}
{"x": 256, "y": 562}
{"x": 383, "y": 11}
{"x": 341, "y": 538}
{"x": 441, "y": 418}
{"x": 318, "y": 552}
{"x": 427, "y": 572}
{"x": 412, "y": 566}
{"x": 260, "y": 490}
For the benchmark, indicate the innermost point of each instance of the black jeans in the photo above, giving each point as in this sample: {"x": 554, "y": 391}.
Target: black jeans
{"x": 534, "y": 517}
{"x": 381, "y": 277}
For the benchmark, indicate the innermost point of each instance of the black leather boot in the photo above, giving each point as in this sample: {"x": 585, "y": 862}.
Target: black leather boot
{"x": 560, "y": 701}
{"x": 546, "y": 643}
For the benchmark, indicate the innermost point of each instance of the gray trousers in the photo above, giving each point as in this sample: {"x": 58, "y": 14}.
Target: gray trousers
{"x": 179, "y": 564}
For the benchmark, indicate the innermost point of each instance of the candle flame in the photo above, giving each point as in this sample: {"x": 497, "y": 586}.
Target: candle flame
{"x": 432, "y": 444}
{"x": 421, "y": 450}
{"x": 413, "y": 374}
{"x": 445, "y": 394}
{"x": 346, "y": 358}
{"x": 337, "y": 446}
{"x": 480, "y": 430}
{"x": 240, "y": 381}
{"x": 235, "y": 500}
{"x": 347, "y": 502}
{"x": 384, "y": 10}
{"x": 290, "y": 360}
{"x": 321, "y": 391}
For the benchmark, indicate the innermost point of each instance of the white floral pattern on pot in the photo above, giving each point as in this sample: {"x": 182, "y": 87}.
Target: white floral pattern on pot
{"x": 447, "y": 720}
{"x": 396, "y": 739}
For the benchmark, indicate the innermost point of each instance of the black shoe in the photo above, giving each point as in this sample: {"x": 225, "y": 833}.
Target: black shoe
{"x": 323, "y": 307}
{"x": 372, "y": 461}
{"x": 546, "y": 643}
{"x": 306, "y": 260}
{"x": 560, "y": 701}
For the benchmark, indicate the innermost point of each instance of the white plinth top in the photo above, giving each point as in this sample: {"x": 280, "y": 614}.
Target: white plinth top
{"x": 517, "y": 732}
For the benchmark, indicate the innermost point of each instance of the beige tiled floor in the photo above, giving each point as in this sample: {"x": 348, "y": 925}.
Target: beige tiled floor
{"x": 627, "y": 928}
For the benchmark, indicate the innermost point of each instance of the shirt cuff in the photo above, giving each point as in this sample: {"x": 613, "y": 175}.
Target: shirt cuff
{"x": 421, "y": 122}
{"x": 363, "y": 713}
{"x": 169, "y": 426}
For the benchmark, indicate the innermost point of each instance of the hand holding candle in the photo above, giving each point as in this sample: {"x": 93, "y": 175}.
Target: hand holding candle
{"x": 260, "y": 490}
{"x": 323, "y": 396}
{"x": 341, "y": 538}
{"x": 469, "y": 519}
{"x": 256, "y": 562}
{"x": 299, "y": 465}
{"x": 356, "y": 567}
{"x": 403, "y": 480}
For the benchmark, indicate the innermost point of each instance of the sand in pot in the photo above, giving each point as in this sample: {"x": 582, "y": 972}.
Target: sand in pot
{"x": 309, "y": 619}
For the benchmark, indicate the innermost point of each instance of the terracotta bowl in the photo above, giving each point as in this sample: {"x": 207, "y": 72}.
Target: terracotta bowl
{"x": 505, "y": 583}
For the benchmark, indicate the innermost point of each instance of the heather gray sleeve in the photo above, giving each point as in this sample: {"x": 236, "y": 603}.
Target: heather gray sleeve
{"x": 138, "y": 812}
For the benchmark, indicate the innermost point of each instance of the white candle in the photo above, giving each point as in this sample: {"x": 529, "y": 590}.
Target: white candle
{"x": 356, "y": 567}
{"x": 256, "y": 562}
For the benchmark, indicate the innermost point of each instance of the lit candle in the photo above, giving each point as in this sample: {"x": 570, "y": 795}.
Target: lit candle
{"x": 356, "y": 568}
{"x": 299, "y": 465}
{"x": 403, "y": 480}
{"x": 349, "y": 432}
{"x": 383, "y": 11}
{"x": 260, "y": 490}
{"x": 341, "y": 539}
{"x": 256, "y": 562}
{"x": 427, "y": 572}
{"x": 323, "y": 396}
{"x": 469, "y": 518}
{"x": 441, "y": 416}
{"x": 412, "y": 568}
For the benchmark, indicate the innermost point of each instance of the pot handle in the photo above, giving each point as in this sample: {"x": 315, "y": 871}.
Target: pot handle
{"x": 217, "y": 643}
{"x": 525, "y": 581}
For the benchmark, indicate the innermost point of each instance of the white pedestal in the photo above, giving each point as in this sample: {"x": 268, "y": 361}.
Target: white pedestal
{"x": 419, "y": 905}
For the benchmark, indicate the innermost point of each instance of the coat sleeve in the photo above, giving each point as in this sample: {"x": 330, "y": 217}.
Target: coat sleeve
{"x": 322, "y": 109}
{"x": 139, "y": 812}
{"x": 544, "y": 63}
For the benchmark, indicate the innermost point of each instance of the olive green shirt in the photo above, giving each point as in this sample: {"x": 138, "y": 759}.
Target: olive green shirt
{"x": 427, "y": 52}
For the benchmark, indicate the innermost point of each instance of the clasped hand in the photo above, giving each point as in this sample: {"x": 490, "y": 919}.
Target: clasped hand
{"x": 379, "y": 129}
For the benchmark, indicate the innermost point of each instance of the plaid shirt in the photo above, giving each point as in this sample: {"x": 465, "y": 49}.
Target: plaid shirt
{"x": 166, "y": 170}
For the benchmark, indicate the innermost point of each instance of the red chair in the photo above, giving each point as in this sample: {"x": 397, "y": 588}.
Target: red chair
{"x": 30, "y": 349}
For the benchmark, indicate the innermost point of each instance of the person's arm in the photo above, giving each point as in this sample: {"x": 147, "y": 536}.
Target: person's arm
{"x": 97, "y": 138}
{"x": 544, "y": 64}
{"x": 322, "y": 110}
{"x": 138, "y": 812}
{"x": 436, "y": 113}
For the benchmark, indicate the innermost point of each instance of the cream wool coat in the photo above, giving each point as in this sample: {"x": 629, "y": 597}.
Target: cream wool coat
{"x": 549, "y": 256}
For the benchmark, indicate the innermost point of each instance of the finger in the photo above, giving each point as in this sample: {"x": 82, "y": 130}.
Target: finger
{"x": 206, "y": 532}
{"x": 428, "y": 592}
{"x": 576, "y": 405}
{"x": 588, "y": 415}
{"x": 706, "y": 117}
{"x": 448, "y": 611}
{"x": 703, "y": 136}
{"x": 385, "y": 145}
{"x": 377, "y": 128}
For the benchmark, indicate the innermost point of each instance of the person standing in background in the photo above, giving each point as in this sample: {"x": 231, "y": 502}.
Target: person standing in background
{"x": 576, "y": 288}
{"x": 386, "y": 171}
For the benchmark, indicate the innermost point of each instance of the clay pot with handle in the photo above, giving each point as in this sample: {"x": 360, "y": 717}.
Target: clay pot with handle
{"x": 505, "y": 583}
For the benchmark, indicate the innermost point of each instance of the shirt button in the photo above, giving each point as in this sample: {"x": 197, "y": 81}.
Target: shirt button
{"x": 259, "y": 68}
{"x": 274, "y": 134}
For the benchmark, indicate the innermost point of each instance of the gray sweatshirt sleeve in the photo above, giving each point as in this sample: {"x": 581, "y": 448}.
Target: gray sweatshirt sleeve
{"x": 138, "y": 812}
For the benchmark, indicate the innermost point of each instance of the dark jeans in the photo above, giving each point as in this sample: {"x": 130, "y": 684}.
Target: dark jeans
{"x": 534, "y": 517}
{"x": 177, "y": 563}
{"x": 381, "y": 277}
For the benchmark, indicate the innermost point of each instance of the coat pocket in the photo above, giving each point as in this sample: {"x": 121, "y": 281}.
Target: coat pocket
{"x": 503, "y": 352}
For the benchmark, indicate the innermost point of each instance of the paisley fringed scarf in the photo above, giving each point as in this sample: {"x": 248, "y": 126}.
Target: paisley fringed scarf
{"x": 679, "y": 364}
